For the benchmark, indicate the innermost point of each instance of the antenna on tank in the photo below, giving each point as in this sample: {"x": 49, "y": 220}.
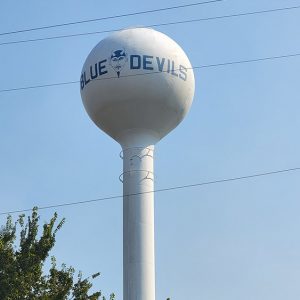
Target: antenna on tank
{"x": 137, "y": 111}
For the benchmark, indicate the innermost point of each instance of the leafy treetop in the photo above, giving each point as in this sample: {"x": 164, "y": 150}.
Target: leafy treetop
{"x": 22, "y": 261}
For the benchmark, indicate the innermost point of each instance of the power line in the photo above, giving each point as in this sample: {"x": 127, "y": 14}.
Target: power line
{"x": 110, "y": 17}
{"x": 158, "y": 190}
{"x": 157, "y": 72}
{"x": 152, "y": 25}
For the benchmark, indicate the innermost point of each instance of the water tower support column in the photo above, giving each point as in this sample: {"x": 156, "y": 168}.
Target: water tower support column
{"x": 138, "y": 222}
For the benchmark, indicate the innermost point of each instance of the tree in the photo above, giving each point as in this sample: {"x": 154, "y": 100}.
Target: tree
{"x": 22, "y": 261}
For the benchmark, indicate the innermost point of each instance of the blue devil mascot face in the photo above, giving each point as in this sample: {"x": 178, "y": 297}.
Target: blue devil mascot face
{"x": 118, "y": 60}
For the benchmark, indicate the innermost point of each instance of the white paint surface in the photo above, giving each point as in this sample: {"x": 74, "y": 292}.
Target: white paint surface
{"x": 137, "y": 110}
{"x": 157, "y": 101}
{"x": 138, "y": 224}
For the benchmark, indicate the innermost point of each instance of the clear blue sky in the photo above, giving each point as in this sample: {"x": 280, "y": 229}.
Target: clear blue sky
{"x": 230, "y": 241}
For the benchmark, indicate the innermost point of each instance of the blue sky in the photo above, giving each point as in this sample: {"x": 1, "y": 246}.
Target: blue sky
{"x": 237, "y": 240}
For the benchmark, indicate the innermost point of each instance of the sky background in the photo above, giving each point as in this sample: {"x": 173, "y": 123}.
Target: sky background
{"x": 235, "y": 240}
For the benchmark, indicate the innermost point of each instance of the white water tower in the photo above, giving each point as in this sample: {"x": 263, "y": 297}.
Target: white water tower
{"x": 137, "y": 85}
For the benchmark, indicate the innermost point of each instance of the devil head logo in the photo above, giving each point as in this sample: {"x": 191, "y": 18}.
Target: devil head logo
{"x": 118, "y": 60}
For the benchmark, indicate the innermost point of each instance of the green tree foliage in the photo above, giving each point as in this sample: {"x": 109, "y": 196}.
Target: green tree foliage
{"x": 22, "y": 260}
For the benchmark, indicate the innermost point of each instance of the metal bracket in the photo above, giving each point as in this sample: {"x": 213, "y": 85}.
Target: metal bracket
{"x": 149, "y": 150}
{"x": 146, "y": 177}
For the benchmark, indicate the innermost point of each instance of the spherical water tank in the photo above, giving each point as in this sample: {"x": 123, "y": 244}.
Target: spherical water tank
{"x": 137, "y": 80}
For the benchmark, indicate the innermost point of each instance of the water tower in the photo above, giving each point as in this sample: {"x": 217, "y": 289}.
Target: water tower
{"x": 137, "y": 85}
